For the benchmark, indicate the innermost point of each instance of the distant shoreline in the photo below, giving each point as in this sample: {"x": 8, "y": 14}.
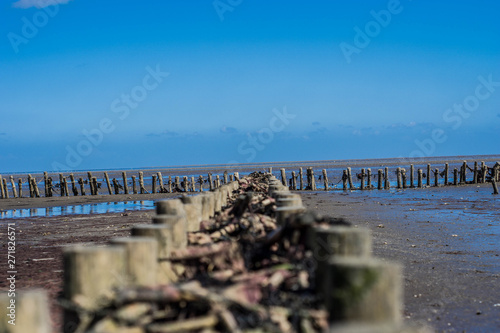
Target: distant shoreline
{"x": 254, "y": 166}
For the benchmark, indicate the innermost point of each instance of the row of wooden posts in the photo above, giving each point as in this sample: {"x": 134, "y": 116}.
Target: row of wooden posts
{"x": 141, "y": 260}
{"x": 113, "y": 185}
{"x": 361, "y": 291}
{"x": 480, "y": 175}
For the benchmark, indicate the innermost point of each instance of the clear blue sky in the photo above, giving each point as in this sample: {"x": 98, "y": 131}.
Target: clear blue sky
{"x": 248, "y": 81}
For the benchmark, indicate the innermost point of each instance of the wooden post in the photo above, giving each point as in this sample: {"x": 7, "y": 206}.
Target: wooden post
{"x": 50, "y": 187}
{"x": 283, "y": 177}
{"x": 2, "y": 190}
{"x": 464, "y": 173}
{"x": 398, "y": 174}
{"x": 163, "y": 235}
{"x": 6, "y": 190}
{"x": 169, "y": 184}
{"x": 20, "y": 184}
{"x": 412, "y": 179}
{"x": 106, "y": 177}
{"x": 428, "y": 175}
{"x": 153, "y": 184}
{"x": 179, "y": 228}
{"x": 45, "y": 182}
{"x": 301, "y": 180}
{"x": 210, "y": 185}
{"x": 270, "y": 170}
{"x": 30, "y": 185}
{"x": 484, "y": 171}
{"x": 91, "y": 185}
{"x": 380, "y": 175}
{"x": 436, "y": 177}
{"x": 291, "y": 200}
{"x": 134, "y": 187}
{"x": 237, "y": 175}
{"x": 125, "y": 185}
{"x": 338, "y": 241}
{"x": 141, "y": 263}
{"x": 82, "y": 186}
{"x": 313, "y": 180}
{"x": 349, "y": 178}
{"x": 282, "y": 213}
{"x": 160, "y": 180}
{"x": 61, "y": 184}
{"x": 193, "y": 208}
{"x": 344, "y": 180}
{"x": 217, "y": 200}
{"x": 294, "y": 181}
{"x": 325, "y": 179}
{"x": 66, "y": 190}
{"x": 73, "y": 184}
{"x": 186, "y": 183}
{"x": 13, "y": 185}
{"x": 494, "y": 172}
{"x": 31, "y": 309}
{"x": 177, "y": 183}
{"x": 475, "y": 172}
{"x": 420, "y": 174}
{"x": 362, "y": 184}
{"x": 446, "y": 171}
{"x": 208, "y": 205}
{"x": 142, "y": 189}
{"x": 92, "y": 272}
{"x": 225, "y": 177}
{"x": 169, "y": 207}
{"x": 403, "y": 177}
{"x": 360, "y": 289}
{"x": 115, "y": 186}
{"x": 455, "y": 176}
{"x": 495, "y": 186}
{"x": 193, "y": 184}
{"x": 369, "y": 178}
{"x": 387, "y": 184}
{"x": 309, "y": 181}
{"x": 94, "y": 185}
{"x": 231, "y": 178}
{"x": 200, "y": 181}
{"x": 35, "y": 187}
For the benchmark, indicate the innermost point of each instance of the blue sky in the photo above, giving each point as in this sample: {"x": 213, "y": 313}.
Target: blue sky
{"x": 105, "y": 84}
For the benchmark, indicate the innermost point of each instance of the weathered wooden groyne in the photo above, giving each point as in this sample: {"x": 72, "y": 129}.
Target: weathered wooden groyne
{"x": 69, "y": 185}
{"x": 401, "y": 178}
{"x": 244, "y": 257}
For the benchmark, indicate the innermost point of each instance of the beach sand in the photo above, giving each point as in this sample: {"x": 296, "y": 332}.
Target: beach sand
{"x": 447, "y": 238}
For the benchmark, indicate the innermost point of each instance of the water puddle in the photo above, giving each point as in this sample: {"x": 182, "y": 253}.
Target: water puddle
{"x": 96, "y": 208}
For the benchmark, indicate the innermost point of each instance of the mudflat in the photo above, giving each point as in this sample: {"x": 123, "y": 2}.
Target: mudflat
{"x": 447, "y": 238}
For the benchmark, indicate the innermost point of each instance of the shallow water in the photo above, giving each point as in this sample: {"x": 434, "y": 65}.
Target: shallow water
{"x": 95, "y": 208}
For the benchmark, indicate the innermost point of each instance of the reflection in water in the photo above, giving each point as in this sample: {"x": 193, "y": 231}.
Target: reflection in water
{"x": 98, "y": 208}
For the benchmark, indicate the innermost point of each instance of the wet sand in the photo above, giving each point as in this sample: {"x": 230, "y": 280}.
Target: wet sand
{"x": 448, "y": 240}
